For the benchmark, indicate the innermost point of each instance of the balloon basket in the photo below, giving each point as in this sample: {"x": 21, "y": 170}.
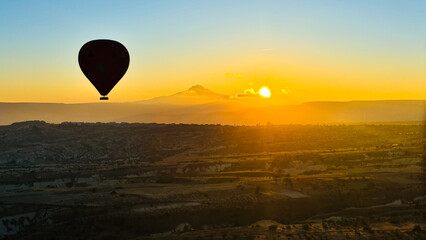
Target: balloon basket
{"x": 104, "y": 98}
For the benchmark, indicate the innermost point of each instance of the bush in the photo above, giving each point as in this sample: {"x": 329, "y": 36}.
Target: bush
{"x": 417, "y": 228}
{"x": 273, "y": 228}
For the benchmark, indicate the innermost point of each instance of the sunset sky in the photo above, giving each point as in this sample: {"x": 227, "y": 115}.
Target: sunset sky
{"x": 301, "y": 50}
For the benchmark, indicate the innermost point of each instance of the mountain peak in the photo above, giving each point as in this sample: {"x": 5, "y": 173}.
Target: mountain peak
{"x": 196, "y": 94}
{"x": 197, "y": 88}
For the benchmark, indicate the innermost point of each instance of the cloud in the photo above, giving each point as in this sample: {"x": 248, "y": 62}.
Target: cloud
{"x": 248, "y": 93}
{"x": 237, "y": 75}
{"x": 286, "y": 91}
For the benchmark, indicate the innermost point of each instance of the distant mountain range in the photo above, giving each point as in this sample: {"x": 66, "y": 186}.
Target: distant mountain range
{"x": 202, "y": 106}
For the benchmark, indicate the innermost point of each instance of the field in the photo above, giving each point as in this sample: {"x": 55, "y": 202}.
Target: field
{"x": 181, "y": 181}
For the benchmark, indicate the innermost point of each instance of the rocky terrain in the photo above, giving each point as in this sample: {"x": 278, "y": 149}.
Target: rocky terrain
{"x": 179, "y": 181}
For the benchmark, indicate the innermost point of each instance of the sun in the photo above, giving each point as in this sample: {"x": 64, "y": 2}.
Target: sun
{"x": 264, "y": 92}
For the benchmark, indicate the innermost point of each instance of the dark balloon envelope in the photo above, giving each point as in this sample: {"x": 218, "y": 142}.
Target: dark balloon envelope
{"x": 104, "y": 62}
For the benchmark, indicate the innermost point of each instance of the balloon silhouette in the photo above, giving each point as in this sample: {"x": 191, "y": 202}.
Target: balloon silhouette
{"x": 104, "y": 62}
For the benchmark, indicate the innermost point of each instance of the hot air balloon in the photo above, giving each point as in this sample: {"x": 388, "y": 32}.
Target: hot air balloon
{"x": 104, "y": 62}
